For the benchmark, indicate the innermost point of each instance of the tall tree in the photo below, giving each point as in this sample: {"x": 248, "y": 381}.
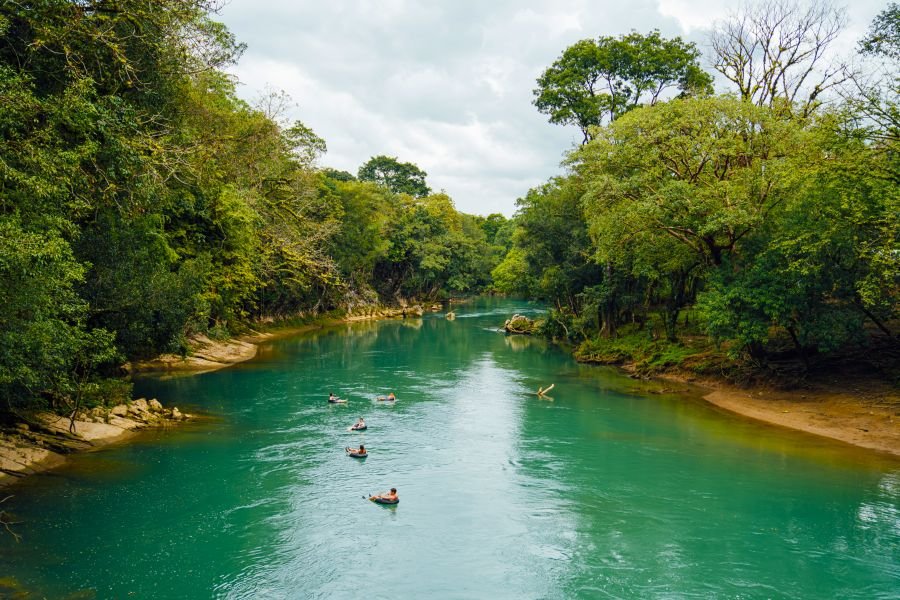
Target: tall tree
{"x": 597, "y": 81}
{"x": 399, "y": 177}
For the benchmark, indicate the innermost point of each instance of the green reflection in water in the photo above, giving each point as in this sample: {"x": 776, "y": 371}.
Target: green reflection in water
{"x": 608, "y": 490}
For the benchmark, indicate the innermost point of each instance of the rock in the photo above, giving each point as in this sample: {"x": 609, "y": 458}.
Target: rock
{"x": 22, "y": 426}
{"x": 119, "y": 411}
{"x": 176, "y": 414}
{"x": 519, "y": 324}
{"x": 155, "y": 405}
{"x": 141, "y": 404}
{"x": 121, "y": 423}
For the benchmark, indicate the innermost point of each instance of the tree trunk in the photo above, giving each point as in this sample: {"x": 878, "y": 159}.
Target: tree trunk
{"x": 800, "y": 350}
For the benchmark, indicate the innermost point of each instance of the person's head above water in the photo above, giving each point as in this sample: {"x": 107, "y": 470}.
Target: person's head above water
{"x": 393, "y": 490}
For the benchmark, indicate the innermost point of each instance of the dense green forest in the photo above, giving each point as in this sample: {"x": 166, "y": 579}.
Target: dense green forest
{"x": 142, "y": 201}
{"x": 755, "y": 230}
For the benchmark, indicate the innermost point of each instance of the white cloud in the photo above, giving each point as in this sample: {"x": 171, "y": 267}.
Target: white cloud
{"x": 444, "y": 84}
{"x": 695, "y": 14}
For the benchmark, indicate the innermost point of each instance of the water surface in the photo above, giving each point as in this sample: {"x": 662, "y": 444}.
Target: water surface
{"x": 609, "y": 490}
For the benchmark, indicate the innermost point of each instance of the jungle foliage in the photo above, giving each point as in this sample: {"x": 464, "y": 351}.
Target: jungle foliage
{"x": 765, "y": 221}
{"x": 142, "y": 201}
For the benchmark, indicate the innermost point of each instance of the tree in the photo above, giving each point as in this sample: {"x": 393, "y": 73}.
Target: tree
{"x": 550, "y": 256}
{"x": 47, "y": 351}
{"x": 337, "y": 174}
{"x": 593, "y": 82}
{"x": 776, "y": 53}
{"x": 874, "y": 99}
{"x": 823, "y": 266}
{"x": 704, "y": 171}
{"x": 400, "y": 178}
{"x": 883, "y": 38}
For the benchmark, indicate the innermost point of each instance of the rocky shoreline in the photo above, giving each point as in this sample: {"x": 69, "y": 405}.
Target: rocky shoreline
{"x": 44, "y": 443}
{"x": 869, "y": 419}
{"x": 31, "y": 448}
{"x": 209, "y": 355}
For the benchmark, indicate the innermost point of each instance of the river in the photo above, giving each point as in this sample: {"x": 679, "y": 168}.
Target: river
{"x": 611, "y": 489}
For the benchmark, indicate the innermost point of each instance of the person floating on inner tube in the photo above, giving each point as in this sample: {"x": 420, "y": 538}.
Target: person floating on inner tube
{"x": 391, "y": 397}
{"x": 360, "y": 452}
{"x": 360, "y": 424}
{"x": 332, "y": 397}
{"x": 389, "y": 497}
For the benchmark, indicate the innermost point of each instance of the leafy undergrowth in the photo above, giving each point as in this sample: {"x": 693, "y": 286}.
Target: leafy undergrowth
{"x": 640, "y": 352}
{"x": 695, "y": 355}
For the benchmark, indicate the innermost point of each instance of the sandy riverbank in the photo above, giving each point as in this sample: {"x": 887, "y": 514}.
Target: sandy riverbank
{"x": 862, "y": 413}
{"x": 208, "y": 355}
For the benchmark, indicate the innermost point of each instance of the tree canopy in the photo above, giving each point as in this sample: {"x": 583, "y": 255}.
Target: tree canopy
{"x": 142, "y": 202}
{"x": 768, "y": 216}
{"x": 596, "y": 81}
{"x": 400, "y": 178}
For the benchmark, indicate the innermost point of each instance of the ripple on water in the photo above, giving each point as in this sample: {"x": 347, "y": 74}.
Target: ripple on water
{"x": 595, "y": 494}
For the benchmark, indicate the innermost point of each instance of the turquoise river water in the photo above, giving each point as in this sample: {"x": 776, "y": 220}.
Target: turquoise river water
{"x": 611, "y": 489}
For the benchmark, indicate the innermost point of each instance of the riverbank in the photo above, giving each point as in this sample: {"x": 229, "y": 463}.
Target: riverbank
{"x": 851, "y": 400}
{"x": 27, "y": 449}
{"x": 44, "y": 442}
{"x": 859, "y": 412}
{"x": 206, "y": 354}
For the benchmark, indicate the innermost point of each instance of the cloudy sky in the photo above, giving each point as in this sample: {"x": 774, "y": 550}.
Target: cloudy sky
{"x": 446, "y": 84}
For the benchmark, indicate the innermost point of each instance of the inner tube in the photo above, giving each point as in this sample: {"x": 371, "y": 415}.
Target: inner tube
{"x": 338, "y": 401}
{"x": 384, "y": 501}
{"x": 356, "y": 454}
{"x": 385, "y": 399}
{"x": 355, "y": 428}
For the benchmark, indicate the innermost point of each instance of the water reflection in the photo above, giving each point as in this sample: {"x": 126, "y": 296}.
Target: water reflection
{"x": 609, "y": 490}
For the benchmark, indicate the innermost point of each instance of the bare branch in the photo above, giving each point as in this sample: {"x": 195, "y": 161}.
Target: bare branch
{"x": 775, "y": 52}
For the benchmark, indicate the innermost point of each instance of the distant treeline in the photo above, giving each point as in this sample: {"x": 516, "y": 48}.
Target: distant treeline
{"x": 765, "y": 221}
{"x": 141, "y": 201}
